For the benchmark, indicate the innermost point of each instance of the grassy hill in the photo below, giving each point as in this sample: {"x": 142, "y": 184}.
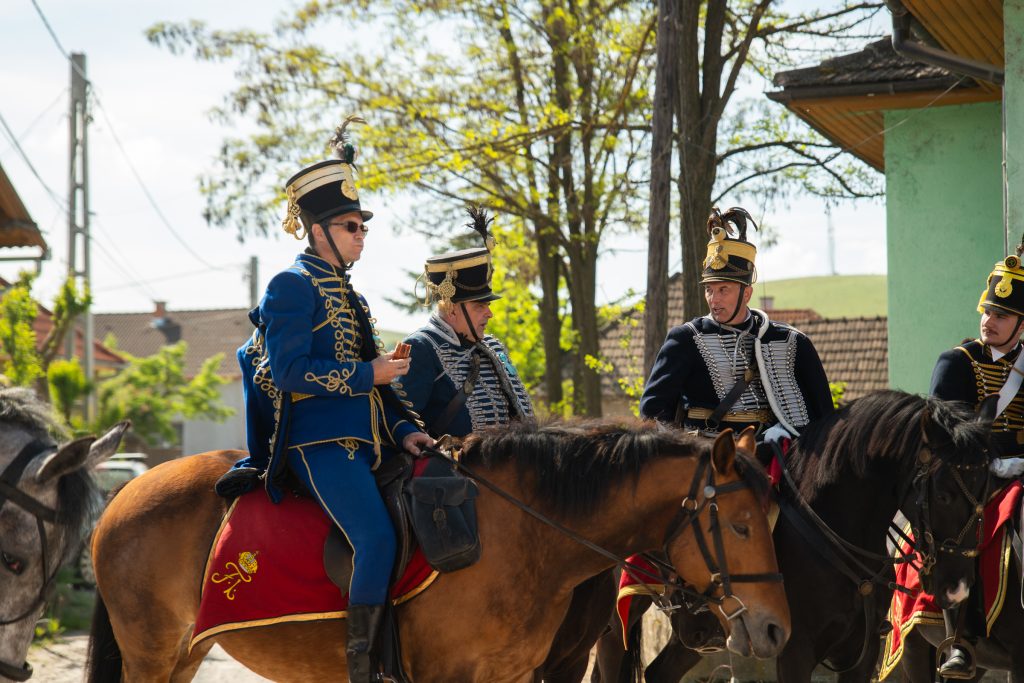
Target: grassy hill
{"x": 838, "y": 296}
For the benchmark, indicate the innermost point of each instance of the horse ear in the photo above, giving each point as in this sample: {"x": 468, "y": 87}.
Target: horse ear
{"x": 723, "y": 452}
{"x": 745, "y": 441}
{"x": 85, "y": 452}
{"x": 986, "y": 411}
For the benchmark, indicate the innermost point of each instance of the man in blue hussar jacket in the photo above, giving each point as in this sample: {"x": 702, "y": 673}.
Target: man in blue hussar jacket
{"x": 319, "y": 401}
{"x": 734, "y": 367}
{"x": 462, "y": 379}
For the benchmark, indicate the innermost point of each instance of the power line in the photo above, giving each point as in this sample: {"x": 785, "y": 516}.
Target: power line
{"x": 121, "y": 148}
{"x": 164, "y": 278}
{"x": 14, "y": 141}
{"x": 43, "y": 113}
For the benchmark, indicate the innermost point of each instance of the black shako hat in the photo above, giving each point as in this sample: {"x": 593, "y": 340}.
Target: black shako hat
{"x": 464, "y": 275}
{"x": 728, "y": 258}
{"x": 325, "y": 189}
{"x": 1005, "y": 287}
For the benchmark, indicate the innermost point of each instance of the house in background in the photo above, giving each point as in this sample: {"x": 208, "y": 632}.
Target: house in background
{"x": 207, "y": 333}
{"x": 853, "y": 351}
{"x": 928, "y": 109}
{"x": 17, "y": 229}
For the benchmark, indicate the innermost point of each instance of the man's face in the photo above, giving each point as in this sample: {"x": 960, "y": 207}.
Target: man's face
{"x": 997, "y": 328}
{"x": 479, "y": 313}
{"x": 722, "y": 298}
{"x": 349, "y": 235}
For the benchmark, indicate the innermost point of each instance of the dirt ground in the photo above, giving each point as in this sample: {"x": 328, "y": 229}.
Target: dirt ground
{"x": 63, "y": 661}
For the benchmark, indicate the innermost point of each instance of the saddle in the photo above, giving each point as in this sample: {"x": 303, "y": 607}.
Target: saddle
{"x": 430, "y": 505}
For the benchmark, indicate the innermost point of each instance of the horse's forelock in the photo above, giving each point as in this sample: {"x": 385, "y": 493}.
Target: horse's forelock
{"x": 968, "y": 437}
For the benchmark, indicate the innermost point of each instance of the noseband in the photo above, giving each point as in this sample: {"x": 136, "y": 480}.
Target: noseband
{"x": 9, "y": 491}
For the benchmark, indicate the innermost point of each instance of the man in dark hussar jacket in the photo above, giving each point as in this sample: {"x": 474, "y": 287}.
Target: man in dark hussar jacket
{"x": 991, "y": 364}
{"x": 461, "y": 379}
{"x": 734, "y": 367}
{"x": 318, "y": 394}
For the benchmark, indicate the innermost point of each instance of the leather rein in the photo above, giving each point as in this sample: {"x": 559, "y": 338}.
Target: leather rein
{"x": 697, "y": 499}
{"x": 9, "y": 491}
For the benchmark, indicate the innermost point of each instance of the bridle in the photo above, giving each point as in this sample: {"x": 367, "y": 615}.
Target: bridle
{"x": 697, "y": 499}
{"x": 9, "y": 491}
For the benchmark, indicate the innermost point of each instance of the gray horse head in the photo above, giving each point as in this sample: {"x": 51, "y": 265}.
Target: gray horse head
{"x": 48, "y": 502}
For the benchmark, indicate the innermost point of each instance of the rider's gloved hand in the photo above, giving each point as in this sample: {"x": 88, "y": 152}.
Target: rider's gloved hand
{"x": 776, "y": 433}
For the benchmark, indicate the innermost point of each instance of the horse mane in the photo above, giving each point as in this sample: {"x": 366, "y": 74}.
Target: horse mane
{"x": 78, "y": 498}
{"x": 573, "y": 465}
{"x": 882, "y": 424}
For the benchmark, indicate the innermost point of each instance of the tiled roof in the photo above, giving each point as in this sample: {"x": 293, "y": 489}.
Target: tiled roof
{"x": 876, "y": 63}
{"x": 207, "y": 332}
{"x": 852, "y": 350}
{"x": 17, "y": 229}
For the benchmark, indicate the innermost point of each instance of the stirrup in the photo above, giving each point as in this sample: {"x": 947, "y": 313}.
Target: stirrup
{"x": 947, "y": 646}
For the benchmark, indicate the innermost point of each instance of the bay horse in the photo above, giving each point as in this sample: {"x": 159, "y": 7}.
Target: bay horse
{"x": 1001, "y": 650}
{"x": 48, "y": 501}
{"x": 625, "y": 487}
{"x": 884, "y": 452}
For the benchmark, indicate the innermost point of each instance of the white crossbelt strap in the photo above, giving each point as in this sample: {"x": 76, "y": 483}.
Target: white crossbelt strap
{"x": 1012, "y": 385}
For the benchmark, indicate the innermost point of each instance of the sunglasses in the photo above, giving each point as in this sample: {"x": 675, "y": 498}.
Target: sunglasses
{"x": 350, "y": 226}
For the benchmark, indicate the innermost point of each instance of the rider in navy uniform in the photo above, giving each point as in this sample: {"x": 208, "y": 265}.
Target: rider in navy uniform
{"x": 461, "y": 379}
{"x": 734, "y": 367}
{"x": 991, "y": 364}
{"x": 317, "y": 389}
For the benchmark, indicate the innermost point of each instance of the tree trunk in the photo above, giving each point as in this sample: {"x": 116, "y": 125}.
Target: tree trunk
{"x": 550, "y": 321}
{"x": 656, "y": 308}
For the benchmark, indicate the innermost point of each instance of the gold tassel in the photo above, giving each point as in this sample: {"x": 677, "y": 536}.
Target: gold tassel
{"x": 292, "y": 223}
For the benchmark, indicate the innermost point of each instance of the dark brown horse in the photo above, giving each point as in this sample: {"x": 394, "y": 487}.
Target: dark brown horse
{"x": 621, "y": 487}
{"x": 884, "y": 452}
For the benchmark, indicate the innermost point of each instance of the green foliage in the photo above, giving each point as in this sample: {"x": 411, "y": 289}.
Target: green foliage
{"x": 153, "y": 391}
{"x": 837, "y": 389}
{"x": 19, "y": 360}
{"x": 67, "y": 383}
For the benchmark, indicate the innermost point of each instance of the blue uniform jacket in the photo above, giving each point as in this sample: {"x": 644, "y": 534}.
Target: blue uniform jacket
{"x": 308, "y": 345}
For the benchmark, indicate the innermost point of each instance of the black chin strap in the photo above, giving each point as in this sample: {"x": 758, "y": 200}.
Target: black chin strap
{"x": 739, "y": 305}
{"x": 469, "y": 323}
{"x": 1015, "y": 334}
{"x": 334, "y": 247}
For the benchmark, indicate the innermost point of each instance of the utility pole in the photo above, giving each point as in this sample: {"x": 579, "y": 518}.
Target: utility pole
{"x": 831, "y": 242}
{"x": 78, "y": 214}
{"x": 254, "y": 282}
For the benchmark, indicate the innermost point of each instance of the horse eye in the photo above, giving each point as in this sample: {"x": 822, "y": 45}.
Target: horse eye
{"x": 742, "y": 530}
{"x": 13, "y": 564}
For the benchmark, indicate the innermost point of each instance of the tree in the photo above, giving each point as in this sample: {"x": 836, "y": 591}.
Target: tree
{"x": 153, "y": 391}
{"x": 68, "y": 383}
{"x": 536, "y": 109}
{"x": 715, "y": 45}
{"x": 19, "y": 361}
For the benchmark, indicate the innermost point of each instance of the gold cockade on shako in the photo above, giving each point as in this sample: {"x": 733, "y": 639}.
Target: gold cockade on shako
{"x": 348, "y": 183}
{"x": 718, "y": 260}
{"x": 239, "y": 573}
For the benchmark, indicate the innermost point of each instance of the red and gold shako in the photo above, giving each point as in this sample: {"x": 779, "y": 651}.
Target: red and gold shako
{"x": 729, "y": 258}
{"x": 464, "y": 275}
{"x": 1005, "y": 288}
{"x": 324, "y": 190}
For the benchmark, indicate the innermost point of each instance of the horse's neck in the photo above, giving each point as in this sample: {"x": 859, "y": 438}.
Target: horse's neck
{"x": 632, "y": 519}
{"x": 860, "y": 509}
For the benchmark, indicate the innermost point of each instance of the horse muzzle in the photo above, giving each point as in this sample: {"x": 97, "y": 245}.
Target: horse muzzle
{"x": 757, "y": 636}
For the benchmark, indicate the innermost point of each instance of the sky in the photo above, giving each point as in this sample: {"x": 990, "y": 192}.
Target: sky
{"x": 153, "y": 123}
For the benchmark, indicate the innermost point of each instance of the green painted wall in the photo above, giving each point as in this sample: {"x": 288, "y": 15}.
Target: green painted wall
{"x": 944, "y": 210}
{"x": 1013, "y": 94}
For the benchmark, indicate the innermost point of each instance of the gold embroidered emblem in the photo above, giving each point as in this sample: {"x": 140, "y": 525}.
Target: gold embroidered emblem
{"x": 1004, "y": 286}
{"x": 348, "y": 184}
{"x": 239, "y": 573}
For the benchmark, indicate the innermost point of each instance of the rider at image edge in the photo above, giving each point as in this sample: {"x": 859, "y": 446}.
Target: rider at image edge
{"x": 991, "y": 364}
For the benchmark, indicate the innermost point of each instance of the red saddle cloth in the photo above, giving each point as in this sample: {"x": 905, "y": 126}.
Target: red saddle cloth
{"x": 646, "y": 582}
{"x": 266, "y": 567}
{"x": 907, "y": 611}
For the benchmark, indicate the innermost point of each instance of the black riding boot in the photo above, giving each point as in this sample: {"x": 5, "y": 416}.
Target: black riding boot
{"x": 363, "y": 637}
{"x": 960, "y": 663}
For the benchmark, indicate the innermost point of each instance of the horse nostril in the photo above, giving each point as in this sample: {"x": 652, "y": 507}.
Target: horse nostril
{"x": 776, "y": 635}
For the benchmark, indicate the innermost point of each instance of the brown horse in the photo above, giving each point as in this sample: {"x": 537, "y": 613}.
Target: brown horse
{"x": 621, "y": 487}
